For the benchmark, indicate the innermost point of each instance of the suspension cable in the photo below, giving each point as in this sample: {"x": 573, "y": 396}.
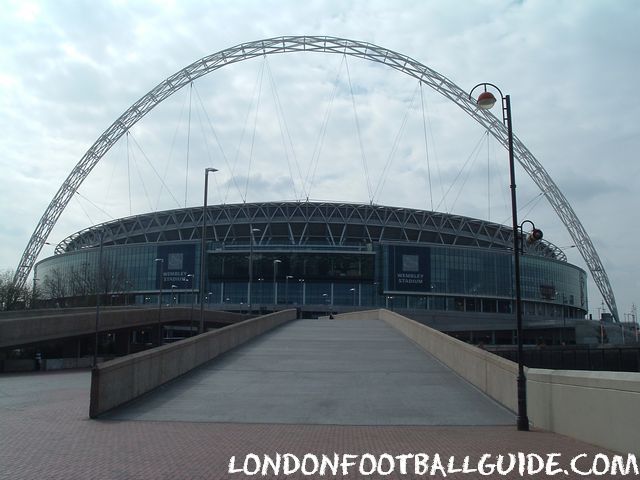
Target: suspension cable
{"x": 107, "y": 191}
{"x": 91, "y": 222}
{"x": 154, "y": 171}
{"x": 475, "y": 148}
{"x": 394, "y": 147}
{"x": 468, "y": 174}
{"x": 129, "y": 174}
{"x": 533, "y": 202}
{"x": 171, "y": 149}
{"x": 253, "y": 135}
{"x": 355, "y": 114}
{"x": 426, "y": 146}
{"x": 141, "y": 178}
{"x": 186, "y": 173}
{"x": 94, "y": 206}
{"x": 317, "y": 149}
{"x": 435, "y": 155}
{"x": 284, "y": 128}
{"x": 222, "y": 153}
{"x": 488, "y": 180}
{"x": 244, "y": 129}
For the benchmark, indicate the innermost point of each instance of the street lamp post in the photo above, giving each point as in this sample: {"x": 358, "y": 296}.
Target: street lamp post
{"x": 286, "y": 289}
{"x": 173, "y": 295}
{"x": 275, "y": 283}
{"x": 190, "y": 275}
{"x": 98, "y": 285}
{"x": 375, "y": 295}
{"x": 161, "y": 260}
{"x": 251, "y": 232}
{"x": 485, "y": 101}
{"x": 127, "y": 295}
{"x": 302, "y": 291}
{"x": 34, "y": 293}
{"x": 564, "y": 317}
{"x": 354, "y": 296}
{"x": 203, "y": 244}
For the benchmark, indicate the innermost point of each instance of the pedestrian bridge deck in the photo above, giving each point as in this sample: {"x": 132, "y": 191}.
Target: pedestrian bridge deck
{"x": 332, "y": 372}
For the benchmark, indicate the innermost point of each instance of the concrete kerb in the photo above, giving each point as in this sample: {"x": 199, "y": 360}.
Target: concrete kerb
{"x": 119, "y": 381}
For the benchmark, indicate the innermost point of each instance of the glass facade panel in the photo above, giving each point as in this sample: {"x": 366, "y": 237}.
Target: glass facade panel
{"x": 312, "y": 266}
{"x": 118, "y": 272}
{"x": 431, "y": 277}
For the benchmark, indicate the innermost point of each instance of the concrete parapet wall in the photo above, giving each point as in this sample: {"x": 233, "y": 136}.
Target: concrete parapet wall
{"x": 17, "y": 365}
{"x": 121, "y": 380}
{"x": 492, "y": 374}
{"x": 596, "y": 407}
{"x": 76, "y": 322}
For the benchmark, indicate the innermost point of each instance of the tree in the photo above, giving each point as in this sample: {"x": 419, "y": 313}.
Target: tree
{"x": 55, "y": 286}
{"x": 78, "y": 280}
{"x": 11, "y": 296}
{"x": 68, "y": 286}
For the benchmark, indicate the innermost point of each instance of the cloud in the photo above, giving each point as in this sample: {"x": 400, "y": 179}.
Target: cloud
{"x": 70, "y": 68}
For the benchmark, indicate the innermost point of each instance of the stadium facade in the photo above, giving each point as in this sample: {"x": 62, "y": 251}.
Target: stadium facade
{"x": 451, "y": 271}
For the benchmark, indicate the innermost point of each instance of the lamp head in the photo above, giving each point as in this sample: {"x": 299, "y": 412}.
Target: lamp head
{"x": 486, "y": 100}
{"x": 534, "y": 236}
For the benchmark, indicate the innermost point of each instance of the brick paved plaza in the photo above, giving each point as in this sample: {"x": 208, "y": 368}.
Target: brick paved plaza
{"x": 46, "y": 434}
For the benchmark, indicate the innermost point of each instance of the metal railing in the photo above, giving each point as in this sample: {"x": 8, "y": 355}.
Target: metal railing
{"x": 576, "y": 357}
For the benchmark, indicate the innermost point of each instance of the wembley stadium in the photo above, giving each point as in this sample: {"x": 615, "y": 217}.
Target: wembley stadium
{"x": 450, "y": 271}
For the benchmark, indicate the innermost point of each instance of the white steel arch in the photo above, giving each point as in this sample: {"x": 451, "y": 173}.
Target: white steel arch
{"x": 342, "y": 46}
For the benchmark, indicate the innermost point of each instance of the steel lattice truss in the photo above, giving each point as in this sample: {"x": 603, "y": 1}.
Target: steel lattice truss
{"x": 341, "y": 46}
{"x": 305, "y": 224}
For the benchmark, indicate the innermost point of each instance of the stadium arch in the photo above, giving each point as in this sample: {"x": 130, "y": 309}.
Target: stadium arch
{"x": 320, "y": 44}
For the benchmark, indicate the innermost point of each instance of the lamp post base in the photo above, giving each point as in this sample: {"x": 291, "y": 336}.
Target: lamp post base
{"x": 523, "y": 419}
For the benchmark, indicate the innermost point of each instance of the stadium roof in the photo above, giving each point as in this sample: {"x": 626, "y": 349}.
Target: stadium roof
{"x": 304, "y": 223}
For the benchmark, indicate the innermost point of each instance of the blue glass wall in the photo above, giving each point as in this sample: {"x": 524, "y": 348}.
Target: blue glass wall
{"x": 399, "y": 276}
{"x": 120, "y": 271}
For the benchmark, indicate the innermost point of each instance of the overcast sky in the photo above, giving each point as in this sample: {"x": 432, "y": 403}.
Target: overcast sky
{"x": 306, "y": 124}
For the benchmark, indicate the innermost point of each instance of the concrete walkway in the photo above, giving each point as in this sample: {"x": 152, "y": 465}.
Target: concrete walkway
{"x": 331, "y": 372}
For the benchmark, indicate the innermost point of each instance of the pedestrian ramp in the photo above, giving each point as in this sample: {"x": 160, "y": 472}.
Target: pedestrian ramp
{"x": 325, "y": 371}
